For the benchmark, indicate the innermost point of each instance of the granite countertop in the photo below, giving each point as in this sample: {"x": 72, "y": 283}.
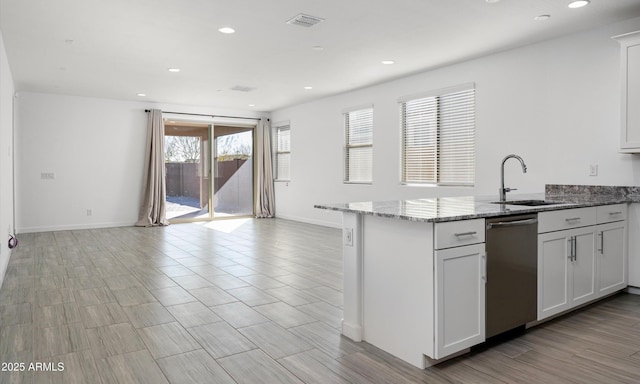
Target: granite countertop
{"x": 443, "y": 209}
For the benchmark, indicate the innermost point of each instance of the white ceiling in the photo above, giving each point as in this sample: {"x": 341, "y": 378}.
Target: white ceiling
{"x": 119, "y": 48}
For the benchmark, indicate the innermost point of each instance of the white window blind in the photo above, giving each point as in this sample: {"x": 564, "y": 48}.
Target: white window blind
{"x": 282, "y": 152}
{"x": 438, "y": 137}
{"x": 358, "y": 154}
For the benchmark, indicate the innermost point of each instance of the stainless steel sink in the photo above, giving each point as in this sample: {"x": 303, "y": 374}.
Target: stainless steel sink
{"x": 528, "y": 203}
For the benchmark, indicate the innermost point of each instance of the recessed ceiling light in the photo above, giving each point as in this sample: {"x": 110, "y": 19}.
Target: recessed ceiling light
{"x": 174, "y": 70}
{"x": 142, "y": 94}
{"x": 318, "y": 48}
{"x": 542, "y": 18}
{"x": 492, "y": 1}
{"x": 227, "y": 30}
{"x": 387, "y": 62}
{"x": 252, "y": 105}
{"x": 308, "y": 87}
{"x": 578, "y": 3}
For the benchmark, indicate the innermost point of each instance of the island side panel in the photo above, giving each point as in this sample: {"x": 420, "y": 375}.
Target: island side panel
{"x": 352, "y": 275}
{"x": 398, "y": 287}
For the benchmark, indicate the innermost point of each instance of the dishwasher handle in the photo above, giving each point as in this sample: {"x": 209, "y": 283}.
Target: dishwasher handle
{"x": 502, "y": 224}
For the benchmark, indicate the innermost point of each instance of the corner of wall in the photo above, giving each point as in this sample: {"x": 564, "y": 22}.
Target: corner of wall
{"x": 7, "y": 92}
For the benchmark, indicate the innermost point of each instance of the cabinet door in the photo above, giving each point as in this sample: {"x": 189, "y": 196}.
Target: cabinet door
{"x": 553, "y": 273}
{"x": 630, "y": 86}
{"x": 460, "y": 298}
{"x": 583, "y": 267}
{"x": 632, "y": 115}
{"x": 611, "y": 257}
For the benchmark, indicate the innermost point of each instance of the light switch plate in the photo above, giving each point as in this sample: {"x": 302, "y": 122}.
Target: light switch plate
{"x": 593, "y": 170}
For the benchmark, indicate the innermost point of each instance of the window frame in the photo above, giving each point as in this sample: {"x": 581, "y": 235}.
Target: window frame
{"x": 437, "y": 137}
{"x": 348, "y": 145}
{"x": 276, "y": 129}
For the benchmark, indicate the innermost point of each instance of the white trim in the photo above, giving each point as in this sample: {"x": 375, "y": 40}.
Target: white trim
{"x": 358, "y": 108}
{"x": 437, "y": 92}
{"x": 72, "y": 227}
{"x": 633, "y": 290}
{"x": 279, "y": 124}
{"x": 625, "y": 35}
{"x": 322, "y": 223}
{"x": 216, "y": 120}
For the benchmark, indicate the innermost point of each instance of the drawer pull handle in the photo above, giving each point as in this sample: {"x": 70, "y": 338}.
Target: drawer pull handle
{"x": 465, "y": 234}
{"x": 569, "y": 219}
{"x": 615, "y": 213}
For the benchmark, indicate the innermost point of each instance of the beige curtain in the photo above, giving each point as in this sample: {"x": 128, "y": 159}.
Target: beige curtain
{"x": 153, "y": 206}
{"x": 265, "y": 195}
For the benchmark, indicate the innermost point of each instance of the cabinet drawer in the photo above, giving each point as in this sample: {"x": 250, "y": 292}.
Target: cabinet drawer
{"x": 610, "y": 213}
{"x": 458, "y": 233}
{"x": 566, "y": 219}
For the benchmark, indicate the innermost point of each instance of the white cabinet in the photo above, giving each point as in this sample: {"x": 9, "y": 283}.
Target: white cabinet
{"x": 460, "y": 275}
{"x": 458, "y": 233}
{"x": 611, "y": 248}
{"x": 582, "y": 277}
{"x": 612, "y": 266}
{"x": 581, "y": 264}
{"x": 460, "y": 298}
{"x": 418, "y": 298}
{"x": 566, "y": 270}
{"x": 630, "y": 87}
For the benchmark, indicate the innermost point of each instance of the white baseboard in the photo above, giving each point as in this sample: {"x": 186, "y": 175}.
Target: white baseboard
{"x": 352, "y": 331}
{"x": 633, "y": 290}
{"x": 72, "y": 227}
{"x": 311, "y": 221}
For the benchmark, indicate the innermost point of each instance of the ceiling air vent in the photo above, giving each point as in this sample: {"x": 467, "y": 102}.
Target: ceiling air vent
{"x": 305, "y": 20}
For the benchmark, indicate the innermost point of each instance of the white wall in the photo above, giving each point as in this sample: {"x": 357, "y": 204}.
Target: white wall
{"x": 96, "y": 149}
{"x": 6, "y": 152}
{"x": 555, "y": 103}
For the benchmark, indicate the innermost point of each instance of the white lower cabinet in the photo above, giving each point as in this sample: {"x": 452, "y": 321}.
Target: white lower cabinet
{"x": 460, "y": 298}
{"x": 611, "y": 257}
{"x": 566, "y": 270}
{"x": 422, "y": 287}
{"x": 578, "y": 265}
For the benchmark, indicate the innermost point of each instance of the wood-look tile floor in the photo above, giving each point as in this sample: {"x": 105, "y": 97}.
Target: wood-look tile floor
{"x": 249, "y": 301}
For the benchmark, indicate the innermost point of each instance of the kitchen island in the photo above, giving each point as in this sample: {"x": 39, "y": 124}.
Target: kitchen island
{"x": 414, "y": 270}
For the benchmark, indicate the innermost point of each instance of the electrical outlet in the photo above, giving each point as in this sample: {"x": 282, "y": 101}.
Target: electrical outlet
{"x": 348, "y": 236}
{"x": 89, "y": 212}
{"x": 593, "y": 170}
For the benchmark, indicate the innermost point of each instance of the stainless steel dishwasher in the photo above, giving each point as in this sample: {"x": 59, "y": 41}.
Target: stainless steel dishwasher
{"x": 512, "y": 266}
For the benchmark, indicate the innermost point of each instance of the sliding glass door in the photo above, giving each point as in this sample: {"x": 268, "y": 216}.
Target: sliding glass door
{"x": 192, "y": 158}
{"x": 187, "y": 164}
{"x": 233, "y": 171}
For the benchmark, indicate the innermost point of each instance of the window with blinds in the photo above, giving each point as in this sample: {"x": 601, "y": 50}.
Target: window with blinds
{"x": 358, "y": 153}
{"x": 282, "y": 152}
{"x": 438, "y": 137}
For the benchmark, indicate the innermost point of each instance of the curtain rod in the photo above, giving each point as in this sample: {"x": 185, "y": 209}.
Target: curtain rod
{"x": 212, "y": 116}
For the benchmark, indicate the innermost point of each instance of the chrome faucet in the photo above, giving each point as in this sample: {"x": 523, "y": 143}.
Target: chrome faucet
{"x": 503, "y": 191}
